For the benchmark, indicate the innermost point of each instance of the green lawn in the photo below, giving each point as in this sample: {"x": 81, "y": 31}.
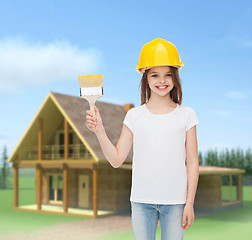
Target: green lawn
{"x": 12, "y": 220}
{"x": 235, "y": 224}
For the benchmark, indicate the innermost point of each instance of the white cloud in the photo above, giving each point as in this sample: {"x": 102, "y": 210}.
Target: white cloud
{"x": 236, "y": 95}
{"x": 36, "y": 65}
{"x": 2, "y": 136}
{"x": 222, "y": 113}
{"x": 246, "y": 42}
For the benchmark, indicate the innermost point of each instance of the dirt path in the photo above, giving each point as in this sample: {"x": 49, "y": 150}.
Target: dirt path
{"x": 92, "y": 229}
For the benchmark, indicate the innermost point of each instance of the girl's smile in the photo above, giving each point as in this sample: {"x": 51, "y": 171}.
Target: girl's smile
{"x": 162, "y": 87}
{"x": 160, "y": 80}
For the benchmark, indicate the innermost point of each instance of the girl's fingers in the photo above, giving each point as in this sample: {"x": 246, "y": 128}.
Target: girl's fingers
{"x": 91, "y": 119}
{"x": 89, "y": 113}
{"x": 91, "y": 127}
{"x": 91, "y": 123}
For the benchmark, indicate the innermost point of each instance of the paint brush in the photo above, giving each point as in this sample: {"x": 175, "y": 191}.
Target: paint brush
{"x": 91, "y": 88}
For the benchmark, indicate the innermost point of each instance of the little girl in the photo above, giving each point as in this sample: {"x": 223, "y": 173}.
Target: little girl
{"x": 165, "y": 164}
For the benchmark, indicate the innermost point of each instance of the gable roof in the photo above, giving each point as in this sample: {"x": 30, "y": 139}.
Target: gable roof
{"x": 74, "y": 108}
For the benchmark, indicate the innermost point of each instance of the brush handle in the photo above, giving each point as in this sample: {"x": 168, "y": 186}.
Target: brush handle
{"x": 92, "y": 99}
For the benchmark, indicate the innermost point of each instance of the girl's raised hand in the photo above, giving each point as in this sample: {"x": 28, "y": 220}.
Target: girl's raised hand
{"x": 94, "y": 123}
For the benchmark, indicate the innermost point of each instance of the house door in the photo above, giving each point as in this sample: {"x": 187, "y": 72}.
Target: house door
{"x": 55, "y": 186}
{"x": 83, "y": 190}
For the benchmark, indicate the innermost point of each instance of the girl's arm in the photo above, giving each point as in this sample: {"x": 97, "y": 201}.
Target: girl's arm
{"x": 192, "y": 164}
{"x": 115, "y": 155}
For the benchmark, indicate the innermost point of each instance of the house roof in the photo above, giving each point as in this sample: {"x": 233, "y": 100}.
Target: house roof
{"x": 74, "y": 110}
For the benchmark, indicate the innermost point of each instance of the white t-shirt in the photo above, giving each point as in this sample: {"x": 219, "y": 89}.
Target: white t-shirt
{"x": 158, "y": 167}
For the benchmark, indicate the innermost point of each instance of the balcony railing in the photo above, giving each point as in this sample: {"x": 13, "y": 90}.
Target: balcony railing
{"x": 56, "y": 152}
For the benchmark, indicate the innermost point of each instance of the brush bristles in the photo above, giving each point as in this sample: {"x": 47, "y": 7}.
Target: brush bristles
{"x": 91, "y": 81}
{"x": 91, "y": 91}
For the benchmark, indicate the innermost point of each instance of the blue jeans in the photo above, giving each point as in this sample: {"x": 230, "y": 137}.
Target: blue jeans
{"x": 145, "y": 220}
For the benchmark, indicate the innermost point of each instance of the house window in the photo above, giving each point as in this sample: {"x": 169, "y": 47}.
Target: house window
{"x": 60, "y": 188}
{"x": 55, "y": 185}
{"x": 62, "y": 146}
{"x": 51, "y": 187}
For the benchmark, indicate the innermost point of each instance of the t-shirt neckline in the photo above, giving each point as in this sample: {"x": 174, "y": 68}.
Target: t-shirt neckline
{"x": 160, "y": 114}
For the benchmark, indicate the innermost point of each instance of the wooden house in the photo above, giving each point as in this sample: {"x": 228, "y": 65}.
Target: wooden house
{"x": 72, "y": 174}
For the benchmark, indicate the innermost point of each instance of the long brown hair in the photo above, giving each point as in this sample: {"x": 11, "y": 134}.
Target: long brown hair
{"x": 175, "y": 93}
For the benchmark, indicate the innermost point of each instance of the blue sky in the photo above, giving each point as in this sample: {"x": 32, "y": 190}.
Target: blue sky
{"x": 46, "y": 45}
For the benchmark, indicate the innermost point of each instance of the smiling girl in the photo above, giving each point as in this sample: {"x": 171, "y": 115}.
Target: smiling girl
{"x": 165, "y": 164}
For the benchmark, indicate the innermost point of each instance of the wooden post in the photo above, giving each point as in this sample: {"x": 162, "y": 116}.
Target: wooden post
{"x": 65, "y": 187}
{"x": 230, "y": 187}
{"x": 239, "y": 187}
{"x": 94, "y": 193}
{"x": 38, "y": 167}
{"x": 66, "y": 140}
{"x": 38, "y": 186}
{"x": 15, "y": 185}
{"x": 65, "y": 168}
{"x": 40, "y": 138}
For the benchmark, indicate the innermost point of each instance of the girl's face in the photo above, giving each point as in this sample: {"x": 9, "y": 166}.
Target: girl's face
{"x": 160, "y": 80}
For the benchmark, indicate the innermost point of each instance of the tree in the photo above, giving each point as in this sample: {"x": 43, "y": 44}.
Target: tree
{"x": 248, "y": 161}
{"x": 200, "y": 158}
{"x": 4, "y": 170}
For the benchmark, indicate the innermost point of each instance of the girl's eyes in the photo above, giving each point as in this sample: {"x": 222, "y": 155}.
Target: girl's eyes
{"x": 166, "y": 75}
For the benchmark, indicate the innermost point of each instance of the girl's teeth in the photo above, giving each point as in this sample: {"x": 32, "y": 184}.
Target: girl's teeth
{"x": 162, "y": 87}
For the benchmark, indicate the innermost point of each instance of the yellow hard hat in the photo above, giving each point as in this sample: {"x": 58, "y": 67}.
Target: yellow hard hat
{"x": 158, "y": 52}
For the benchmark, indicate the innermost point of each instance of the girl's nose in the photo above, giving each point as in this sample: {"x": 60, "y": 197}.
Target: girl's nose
{"x": 162, "y": 80}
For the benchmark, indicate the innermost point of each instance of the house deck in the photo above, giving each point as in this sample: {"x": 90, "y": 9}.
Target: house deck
{"x": 71, "y": 211}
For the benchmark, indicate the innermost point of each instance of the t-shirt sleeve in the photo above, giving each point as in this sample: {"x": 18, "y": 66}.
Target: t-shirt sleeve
{"x": 191, "y": 118}
{"x": 128, "y": 120}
